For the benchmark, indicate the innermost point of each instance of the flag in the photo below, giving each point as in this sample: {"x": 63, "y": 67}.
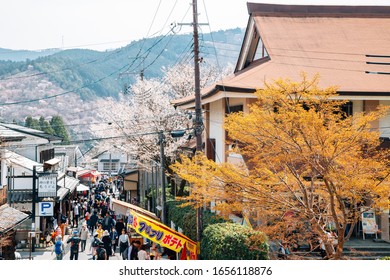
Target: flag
{"x": 183, "y": 255}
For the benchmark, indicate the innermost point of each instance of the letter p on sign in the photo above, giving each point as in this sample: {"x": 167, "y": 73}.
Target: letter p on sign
{"x": 46, "y": 208}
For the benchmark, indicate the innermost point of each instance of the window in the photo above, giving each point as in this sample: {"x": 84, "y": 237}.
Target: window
{"x": 234, "y": 109}
{"x": 106, "y": 166}
{"x": 211, "y": 149}
{"x": 46, "y": 155}
{"x": 347, "y": 108}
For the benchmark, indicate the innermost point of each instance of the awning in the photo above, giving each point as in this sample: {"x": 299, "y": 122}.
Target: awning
{"x": 81, "y": 188}
{"x": 10, "y": 217}
{"x": 123, "y": 208}
{"x": 52, "y": 161}
{"x": 61, "y": 193}
{"x": 70, "y": 183}
{"x": 88, "y": 174}
{"x": 162, "y": 235}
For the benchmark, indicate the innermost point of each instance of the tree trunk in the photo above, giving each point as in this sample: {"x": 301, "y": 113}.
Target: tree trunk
{"x": 172, "y": 184}
{"x": 350, "y": 231}
{"x": 340, "y": 242}
{"x": 181, "y": 188}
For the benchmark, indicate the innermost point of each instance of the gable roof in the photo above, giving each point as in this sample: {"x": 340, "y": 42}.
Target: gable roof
{"x": 13, "y": 158}
{"x": 349, "y": 46}
{"x": 9, "y": 135}
{"x": 33, "y": 132}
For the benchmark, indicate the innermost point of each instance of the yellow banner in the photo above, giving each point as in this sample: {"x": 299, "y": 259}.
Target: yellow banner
{"x": 161, "y": 234}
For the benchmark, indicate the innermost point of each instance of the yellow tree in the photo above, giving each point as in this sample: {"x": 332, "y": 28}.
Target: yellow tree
{"x": 309, "y": 166}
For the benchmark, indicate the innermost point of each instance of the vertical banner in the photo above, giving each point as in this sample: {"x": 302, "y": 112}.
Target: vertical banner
{"x": 162, "y": 235}
{"x": 369, "y": 223}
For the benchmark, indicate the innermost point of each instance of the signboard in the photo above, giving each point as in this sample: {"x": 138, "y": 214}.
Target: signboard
{"x": 47, "y": 185}
{"x": 46, "y": 208}
{"x": 369, "y": 223}
{"x": 161, "y": 234}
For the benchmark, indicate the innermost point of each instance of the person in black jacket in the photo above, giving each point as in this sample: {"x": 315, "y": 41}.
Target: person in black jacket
{"x": 119, "y": 226}
{"x": 74, "y": 245}
{"x": 93, "y": 221}
{"x": 100, "y": 253}
{"x": 131, "y": 253}
{"x": 108, "y": 222}
{"x": 107, "y": 244}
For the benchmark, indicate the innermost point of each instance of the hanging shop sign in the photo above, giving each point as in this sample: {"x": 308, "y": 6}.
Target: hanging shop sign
{"x": 47, "y": 185}
{"x": 161, "y": 234}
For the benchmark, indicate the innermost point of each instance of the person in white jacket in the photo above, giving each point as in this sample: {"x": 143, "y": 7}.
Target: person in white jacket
{"x": 83, "y": 236}
{"x": 142, "y": 254}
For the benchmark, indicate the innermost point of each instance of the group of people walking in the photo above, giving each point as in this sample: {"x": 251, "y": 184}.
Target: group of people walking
{"x": 105, "y": 233}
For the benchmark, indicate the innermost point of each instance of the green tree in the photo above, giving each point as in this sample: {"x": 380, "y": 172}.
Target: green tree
{"x": 58, "y": 125}
{"x": 45, "y": 126}
{"x": 32, "y": 123}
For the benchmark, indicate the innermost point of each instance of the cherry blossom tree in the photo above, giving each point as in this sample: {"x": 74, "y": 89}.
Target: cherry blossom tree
{"x": 134, "y": 122}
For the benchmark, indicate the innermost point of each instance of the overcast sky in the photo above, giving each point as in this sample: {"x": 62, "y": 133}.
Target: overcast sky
{"x": 105, "y": 24}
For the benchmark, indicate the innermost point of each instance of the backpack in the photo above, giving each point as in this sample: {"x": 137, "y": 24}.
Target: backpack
{"x": 75, "y": 244}
{"x": 57, "y": 247}
{"x": 101, "y": 254}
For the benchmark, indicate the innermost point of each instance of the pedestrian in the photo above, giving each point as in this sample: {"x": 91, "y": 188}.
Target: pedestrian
{"x": 114, "y": 240}
{"x": 123, "y": 241}
{"x": 171, "y": 255}
{"x": 74, "y": 245}
{"x": 131, "y": 252}
{"x": 108, "y": 222}
{"x": 76, "y": 214}
{"x": 119, "y": 225}
{"x": 59, "y": 248}
{"x": 86, "y": 216}
{"x": 142, "y": 254}
{"x": 154, "y": 252}
{"x": 100, "y": 253}
{"x": 83, "y": 236}
{"x": 100, "y": 231}
{"x": 107, "y": 243}
{"x": 93, "y": 221}
{"x": 95, "y": 244}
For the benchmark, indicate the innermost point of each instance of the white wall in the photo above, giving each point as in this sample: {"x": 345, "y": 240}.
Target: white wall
{"x": 21, "y": 183}
{"x": 217, "y": 114}
{"x": 3, "y": 174}
{"x": 357, "y": 106}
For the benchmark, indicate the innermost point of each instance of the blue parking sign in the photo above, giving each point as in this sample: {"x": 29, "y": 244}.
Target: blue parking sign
{"x": 46, "y": 208}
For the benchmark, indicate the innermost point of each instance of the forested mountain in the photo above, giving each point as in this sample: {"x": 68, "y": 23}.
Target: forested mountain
{"x": 93, "y": 73}
{"x": 70, "y": 82}
{"x": 22, "y": 55}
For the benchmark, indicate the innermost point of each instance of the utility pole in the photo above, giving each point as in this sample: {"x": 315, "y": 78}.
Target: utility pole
{"x": 161, "y": 140}
{"x": 198, "y": 109}
{"x": 34, "y": 195}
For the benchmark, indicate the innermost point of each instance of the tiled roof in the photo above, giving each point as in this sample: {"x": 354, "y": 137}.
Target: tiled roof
{"x": 30, "y": 131}
{"x": 347, "y": 46}
{"x": 9, "y": 217}
{"x": 15, "y": 159}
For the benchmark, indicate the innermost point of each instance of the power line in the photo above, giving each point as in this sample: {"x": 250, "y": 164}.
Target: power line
{"x": 61, "y": 70}
{"x": 63, "y": 93}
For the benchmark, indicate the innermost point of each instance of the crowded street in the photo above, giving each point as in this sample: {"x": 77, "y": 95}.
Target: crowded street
{"x": 85, "y": 236}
